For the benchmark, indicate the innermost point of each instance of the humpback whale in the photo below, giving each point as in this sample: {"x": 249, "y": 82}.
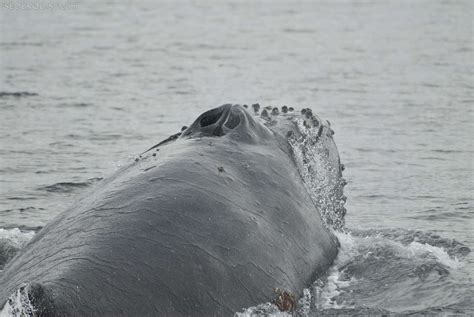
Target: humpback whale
{"x": 205, "y": 223}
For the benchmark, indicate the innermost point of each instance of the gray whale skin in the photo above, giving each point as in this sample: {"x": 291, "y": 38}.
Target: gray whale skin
{"x": 205, "y": 223}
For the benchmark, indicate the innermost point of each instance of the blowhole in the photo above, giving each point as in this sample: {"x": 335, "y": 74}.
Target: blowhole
{"x": 210, "y": 119}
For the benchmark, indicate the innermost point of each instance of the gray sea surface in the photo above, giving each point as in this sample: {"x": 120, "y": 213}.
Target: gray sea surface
{"x": 86, "y": 87}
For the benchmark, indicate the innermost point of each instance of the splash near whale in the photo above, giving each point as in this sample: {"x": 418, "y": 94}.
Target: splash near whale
{"x": 207, "y": 222}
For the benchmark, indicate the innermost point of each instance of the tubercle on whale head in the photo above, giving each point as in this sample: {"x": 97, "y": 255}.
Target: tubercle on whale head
{"x": 311, "y": 143}
{"x": 291, "y": 124}
{"x": 236, "y": 121}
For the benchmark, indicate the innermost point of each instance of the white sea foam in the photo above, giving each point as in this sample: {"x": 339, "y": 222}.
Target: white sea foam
{"x": 12, "y": 240}
{"x": 327, "y": 295}
{"x": 18, "y": 305}
{"x": 326, "y": 291}
{"x": 304, "y": 303}
{"x": 15, "y": 236}
{"x": 332, "y": 291}
{"x": 262, "y": 310}
{"x": 422, "y": 249}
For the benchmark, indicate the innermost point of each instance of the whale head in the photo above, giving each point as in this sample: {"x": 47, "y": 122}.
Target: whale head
{"x": 302, "y": 134}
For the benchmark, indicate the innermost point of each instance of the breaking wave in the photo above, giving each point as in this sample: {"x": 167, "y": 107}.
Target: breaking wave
{"x": 386, "y": 272}
{"x": 18, "y": 305}
{"x": 12, "y": 240}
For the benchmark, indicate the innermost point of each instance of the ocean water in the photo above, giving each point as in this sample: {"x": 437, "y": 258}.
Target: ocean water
{"x": 85, "y": 87}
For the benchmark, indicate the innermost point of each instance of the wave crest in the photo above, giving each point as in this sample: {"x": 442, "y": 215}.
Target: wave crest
{"x": 12, "y": 240}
